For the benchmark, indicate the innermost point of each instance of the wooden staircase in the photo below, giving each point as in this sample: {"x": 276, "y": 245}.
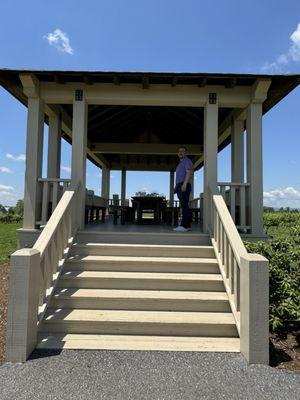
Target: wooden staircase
{"x": 140, "y": 297}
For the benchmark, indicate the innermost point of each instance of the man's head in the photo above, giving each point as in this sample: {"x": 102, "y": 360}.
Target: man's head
{"x": 181, "y": 152}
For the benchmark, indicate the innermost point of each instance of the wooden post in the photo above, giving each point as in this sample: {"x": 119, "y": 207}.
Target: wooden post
{"x": 79, "y": 143}
{"x": 54, "y": 147}
{"x": 237, "y": 151}
{"x": 210, "y": 155}
{"x": 123, "y": 187}
{"x": 171, "y": 189}
{"x": 105, "y": 184}
{"x": 254, "y": 308}
{"x": 255, "y": 166}
{"x": 23, "y": 300}
{"x": 34, "y": 160}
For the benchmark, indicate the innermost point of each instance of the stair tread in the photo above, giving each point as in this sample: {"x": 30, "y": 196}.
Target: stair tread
{"x": 137, "y": 342}
{"x": 73, "y": 274}
{"x": 136, "y": 294}
{"x": 136, "y": 245}
{"x": 176, "y": 260}
{"x": 121, "y": 316}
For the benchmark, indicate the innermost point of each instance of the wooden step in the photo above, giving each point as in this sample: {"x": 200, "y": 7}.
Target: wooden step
{"x": 136, "y": 342}
{"x": 113, "y": 249}
{"x": 143, "y": 264}
{"x": 140, "y": 300}
{"x": 191, "y": 238}
{"x": 139, "y": 323}
{"x": 141, "y": 280}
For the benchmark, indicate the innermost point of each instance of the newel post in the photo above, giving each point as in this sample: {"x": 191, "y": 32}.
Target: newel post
{"x": 23, "y": 302}
{"x": 254, "y": 308}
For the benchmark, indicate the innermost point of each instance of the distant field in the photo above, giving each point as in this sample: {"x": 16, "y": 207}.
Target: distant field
{"x": 8, "y": 240}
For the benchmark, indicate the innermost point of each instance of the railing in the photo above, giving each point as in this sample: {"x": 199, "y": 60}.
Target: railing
{"x": 246, "y": 282}
{"x": 235, "y": 196}
{"x": 195, "y": 203}
{"x": 52, "y": 191}
{"x": 34, "y": 275}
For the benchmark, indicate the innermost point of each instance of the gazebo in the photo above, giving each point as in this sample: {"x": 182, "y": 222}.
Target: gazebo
{"x": 135, "y": 121}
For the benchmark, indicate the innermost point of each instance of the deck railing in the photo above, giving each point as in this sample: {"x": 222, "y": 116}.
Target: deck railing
{"x": 34, "y": 275}
{"x": 235, "y": 196}
{"x": 246, "y": 280}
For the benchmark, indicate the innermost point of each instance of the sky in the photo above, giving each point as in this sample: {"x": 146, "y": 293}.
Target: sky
{"x": 158, "y": 35}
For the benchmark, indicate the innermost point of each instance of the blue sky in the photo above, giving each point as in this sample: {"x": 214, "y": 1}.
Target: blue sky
{"x": 156, "y": 35}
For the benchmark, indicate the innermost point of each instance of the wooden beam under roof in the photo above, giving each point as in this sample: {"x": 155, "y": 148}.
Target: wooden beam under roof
{"x": 144, "y": 148}
{"x": 59, "y": 79}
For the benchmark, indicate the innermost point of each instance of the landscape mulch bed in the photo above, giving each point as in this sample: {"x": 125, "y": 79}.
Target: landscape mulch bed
{"x": 284, "y": 347}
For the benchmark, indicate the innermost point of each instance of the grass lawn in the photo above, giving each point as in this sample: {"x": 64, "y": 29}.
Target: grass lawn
{"x": 8, "y": 240}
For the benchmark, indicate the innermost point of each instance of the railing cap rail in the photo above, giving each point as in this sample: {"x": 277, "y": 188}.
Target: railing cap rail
{"x": 233, "y": 184}
{"x": 53, "y": 180}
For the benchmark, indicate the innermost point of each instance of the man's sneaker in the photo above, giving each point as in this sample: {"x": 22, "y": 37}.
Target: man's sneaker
{"x": 180, "y": 229}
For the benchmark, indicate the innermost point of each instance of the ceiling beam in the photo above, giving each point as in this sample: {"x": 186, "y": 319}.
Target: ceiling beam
{"x": 144, "y": 148}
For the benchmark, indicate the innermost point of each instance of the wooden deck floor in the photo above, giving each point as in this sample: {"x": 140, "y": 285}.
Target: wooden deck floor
{"x": 108, "y": 226}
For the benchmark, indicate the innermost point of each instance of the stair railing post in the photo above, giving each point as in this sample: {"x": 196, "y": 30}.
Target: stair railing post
{"x": 254, "y": 308}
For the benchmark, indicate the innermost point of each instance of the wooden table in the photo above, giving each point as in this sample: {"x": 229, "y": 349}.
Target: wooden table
{"x": 150, "y": 204}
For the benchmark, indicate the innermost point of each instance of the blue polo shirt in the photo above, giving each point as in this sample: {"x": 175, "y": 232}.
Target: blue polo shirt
{"x": 184, "y": 165}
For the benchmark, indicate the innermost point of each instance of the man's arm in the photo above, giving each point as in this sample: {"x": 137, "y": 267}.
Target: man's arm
{"x": 186, "y": 179}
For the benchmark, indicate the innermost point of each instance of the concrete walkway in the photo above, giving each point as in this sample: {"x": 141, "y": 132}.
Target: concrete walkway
{"x": 89, "y": 375}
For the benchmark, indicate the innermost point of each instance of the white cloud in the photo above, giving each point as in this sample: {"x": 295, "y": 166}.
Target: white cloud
{"x": 65, "y": 168}
{"x": 20, "y": 157}
{"x": 5, "y": 187}
{"x": 5, "y": 170}
{"x": 288, "y": 197}
{"x": 292, "y": 54}
{"x": 60, "y": 41}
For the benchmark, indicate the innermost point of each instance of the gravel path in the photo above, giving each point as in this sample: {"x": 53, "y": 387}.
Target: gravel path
{"x": 89, "y": 375}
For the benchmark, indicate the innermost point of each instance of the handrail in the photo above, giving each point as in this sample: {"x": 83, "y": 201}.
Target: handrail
{"x": 53, "y": 223}
{"x": 51, "y": 245}
{"x": 233, "y": 236}
{"x": 245, "y": 278}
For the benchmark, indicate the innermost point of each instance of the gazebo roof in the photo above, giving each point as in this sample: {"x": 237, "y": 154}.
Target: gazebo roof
{"x": 149, "y": 124}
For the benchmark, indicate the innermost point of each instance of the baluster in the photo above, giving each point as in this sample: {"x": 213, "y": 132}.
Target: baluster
{"x": 59, "y": 241}
{"x": 231, "y": 271}
{"x": 54, "y": 195}
{"x": 242, "y": 206}
{"x": 222, "y": 190}
{"x": 219, "y": 234}
{"x": 215, "y": 223}
{"x": 41, "y": 283}
{"x": 236, "y": 286}
{"x": 227, "y": 256}
{"x": 54, "y": 261}
{"x": 232, "y": 202}
{"x": 223, "y": 245}
{"x": 45, "y": 201}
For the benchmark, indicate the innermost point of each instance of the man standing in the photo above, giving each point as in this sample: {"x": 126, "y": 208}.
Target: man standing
{"x": 184, "y": 173}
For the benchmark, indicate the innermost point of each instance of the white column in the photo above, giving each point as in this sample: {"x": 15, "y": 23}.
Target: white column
{"x": 34, "y": 159}
{"x": 237, "y": 151}
{"x": 105, "y": 183}
{"x": 210, "y": 155}
{"x": 171, "y": 189}
{"x": 54, "y": 147}
{"x": 123, "y": 187}
{"x": 79, "y": 143}
{"x": 254, "y": 166}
